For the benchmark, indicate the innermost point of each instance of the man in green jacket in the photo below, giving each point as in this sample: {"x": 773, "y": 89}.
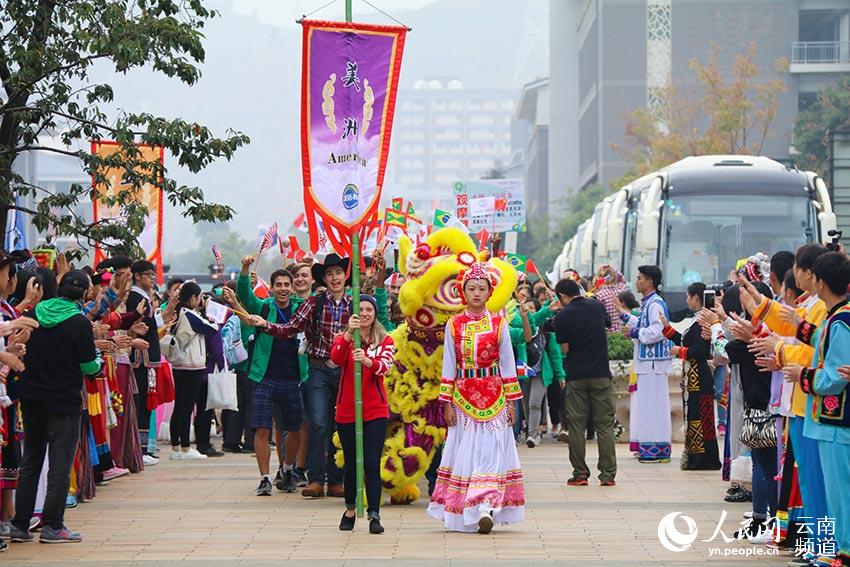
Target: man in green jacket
{"x": 274, "y": 368}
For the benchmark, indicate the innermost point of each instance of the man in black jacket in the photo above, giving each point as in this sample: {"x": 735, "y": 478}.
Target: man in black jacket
{"x": 59, "y": 354}
{"x": 581, "y": 330}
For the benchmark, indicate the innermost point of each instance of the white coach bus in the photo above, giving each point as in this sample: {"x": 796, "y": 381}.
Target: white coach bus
{"x": 697, "y": 217}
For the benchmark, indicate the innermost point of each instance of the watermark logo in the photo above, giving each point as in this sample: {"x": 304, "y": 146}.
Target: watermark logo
{"x": 670, "y": 536}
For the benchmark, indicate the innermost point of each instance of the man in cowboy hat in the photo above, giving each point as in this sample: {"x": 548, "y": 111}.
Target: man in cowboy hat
{"x": 320, "y": 318}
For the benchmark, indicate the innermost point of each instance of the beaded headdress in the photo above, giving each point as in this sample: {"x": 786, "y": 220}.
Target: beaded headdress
{"x": 476, "y": 271}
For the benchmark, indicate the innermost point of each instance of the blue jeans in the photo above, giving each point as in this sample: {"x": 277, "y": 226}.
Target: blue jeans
{"x": 764, "y": 484}
{"x": 320, "y": 391}
{"x": 719, "y": 386}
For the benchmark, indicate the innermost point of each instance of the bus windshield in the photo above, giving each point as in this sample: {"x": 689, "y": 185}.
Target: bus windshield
{"x": 705, "y": 235}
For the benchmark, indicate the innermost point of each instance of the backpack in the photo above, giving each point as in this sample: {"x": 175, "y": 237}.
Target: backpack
{"x": 231, "y": 336}
{"x": 535, "y": 348}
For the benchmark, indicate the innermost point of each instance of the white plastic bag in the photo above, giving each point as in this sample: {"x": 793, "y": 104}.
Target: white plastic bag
{"x": 741, "y": 469}
{"x": 221, "y": 390}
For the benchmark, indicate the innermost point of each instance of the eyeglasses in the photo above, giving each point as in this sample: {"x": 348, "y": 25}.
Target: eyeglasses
{"x": 149, "y": 274}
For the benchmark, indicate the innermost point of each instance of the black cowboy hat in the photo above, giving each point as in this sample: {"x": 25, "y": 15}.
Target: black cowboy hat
{"x": 333, "y": 259}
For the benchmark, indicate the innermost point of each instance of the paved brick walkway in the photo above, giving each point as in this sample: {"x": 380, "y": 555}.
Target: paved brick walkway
{"x": 206, "y": 513}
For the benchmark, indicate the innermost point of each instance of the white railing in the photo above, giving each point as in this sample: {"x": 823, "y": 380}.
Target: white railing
{"x": 820, "y": 52}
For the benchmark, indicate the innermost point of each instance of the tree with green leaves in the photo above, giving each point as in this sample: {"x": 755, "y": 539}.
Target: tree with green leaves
{"x": 47, "y": 52}
{"x": 831, "y": 112}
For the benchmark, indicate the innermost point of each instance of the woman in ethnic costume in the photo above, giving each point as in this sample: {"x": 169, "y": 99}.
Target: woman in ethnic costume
{"x": 479, "y": 482}
{"x": 700, "y": 436}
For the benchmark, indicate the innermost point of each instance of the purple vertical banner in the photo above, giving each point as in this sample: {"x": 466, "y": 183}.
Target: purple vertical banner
{"x": 349, "y": 81}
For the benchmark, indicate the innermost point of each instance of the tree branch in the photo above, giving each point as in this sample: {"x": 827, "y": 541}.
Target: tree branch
{"x": 48, "y": 149}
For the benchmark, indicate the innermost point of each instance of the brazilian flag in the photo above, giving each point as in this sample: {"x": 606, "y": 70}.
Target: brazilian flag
{"x": 517, "y": 261}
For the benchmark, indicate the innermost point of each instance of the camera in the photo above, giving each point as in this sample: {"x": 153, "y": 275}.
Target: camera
{"x": 834, "y": 246}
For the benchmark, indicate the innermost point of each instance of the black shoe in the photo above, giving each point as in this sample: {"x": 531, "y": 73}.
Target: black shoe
{"x": 375, "y": 526}
{"x": 346, "y": 524}
{"x": 265, "y": 488}
{"x": 278, "y": 480}
{"x": 741, "y": 496}
{"x": 212, "y": 452}
{"x": 289, "y": 485}
{"x": 752, "y": 529}
{"x": 300, "y": 478}
{"x": 228, "y": 448}
{"x": 247, "y": 448}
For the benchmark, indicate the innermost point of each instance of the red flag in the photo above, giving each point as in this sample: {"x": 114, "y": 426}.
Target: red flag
{"x": 294, "y": 248}
{"x": 531, "y": 267}
{"x": 483, "y": 238}
{"x": 501, "y": 204}
{"x": 282, "y": 246}
{"x": 261, "y": 290}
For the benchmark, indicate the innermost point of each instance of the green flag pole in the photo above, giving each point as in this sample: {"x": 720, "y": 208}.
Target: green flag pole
{"x": 358, "y": 387}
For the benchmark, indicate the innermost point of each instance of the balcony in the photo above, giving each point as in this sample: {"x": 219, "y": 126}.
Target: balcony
{"x": 820, "y": 57}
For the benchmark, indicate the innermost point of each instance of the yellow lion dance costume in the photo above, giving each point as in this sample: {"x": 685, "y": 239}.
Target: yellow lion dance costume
{"x": 428, "y": 297}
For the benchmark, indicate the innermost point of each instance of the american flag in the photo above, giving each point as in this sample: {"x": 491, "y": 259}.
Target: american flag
{"x": 269, "y": 238}
{"x": 217, "y": 255}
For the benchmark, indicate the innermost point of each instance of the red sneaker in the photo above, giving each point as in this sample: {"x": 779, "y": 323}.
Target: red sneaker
{"x": 607, "y": 483}
{"x": 577, "y": 481}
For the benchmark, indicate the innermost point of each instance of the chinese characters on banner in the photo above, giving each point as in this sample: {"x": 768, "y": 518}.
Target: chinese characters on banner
{"x": 348, "y": 90}
{"x": 149, "y": 195}
{"x": 497, "y": 205}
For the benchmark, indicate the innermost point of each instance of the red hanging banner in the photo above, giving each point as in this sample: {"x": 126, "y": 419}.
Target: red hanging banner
{"x": 149, "y": 195}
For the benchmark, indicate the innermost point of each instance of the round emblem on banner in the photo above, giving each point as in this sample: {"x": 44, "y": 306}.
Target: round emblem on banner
{"x": 350, "y": 196}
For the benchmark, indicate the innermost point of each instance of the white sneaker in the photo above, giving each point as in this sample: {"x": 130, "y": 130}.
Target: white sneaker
{"x": 176, "y": 455}
{"x": 533, "y": 441}
{"x": 192, "y": 455}
{"x": 747, "y": 515}
{"x": 150, "y": 461}
{"x": 762, "y": 538}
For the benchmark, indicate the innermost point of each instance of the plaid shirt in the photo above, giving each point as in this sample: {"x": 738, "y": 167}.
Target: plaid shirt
{"x": 605, "y": 295}
{"x": 332, "y": 321}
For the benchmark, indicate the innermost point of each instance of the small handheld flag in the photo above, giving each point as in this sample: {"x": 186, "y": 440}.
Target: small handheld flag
{"x": 217, "y": 255}
{"x": 518, "y": 261}
{"x": 269, "y": 238}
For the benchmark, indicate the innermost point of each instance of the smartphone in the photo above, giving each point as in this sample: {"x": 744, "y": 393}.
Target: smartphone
{"x": 708, "y": 298}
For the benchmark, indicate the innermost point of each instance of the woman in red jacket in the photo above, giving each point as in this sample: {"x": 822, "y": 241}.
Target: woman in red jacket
{"x": 375, "y": 357}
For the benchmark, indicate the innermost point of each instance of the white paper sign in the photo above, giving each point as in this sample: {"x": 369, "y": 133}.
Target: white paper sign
{"x": 482, "y": 206}
{"x": 160, "y": 322}
{"x": 217, "y": 312}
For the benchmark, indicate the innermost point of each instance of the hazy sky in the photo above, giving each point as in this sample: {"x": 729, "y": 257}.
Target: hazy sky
{"x": 251, "y": 82}
{"x": 279, "y": 12}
